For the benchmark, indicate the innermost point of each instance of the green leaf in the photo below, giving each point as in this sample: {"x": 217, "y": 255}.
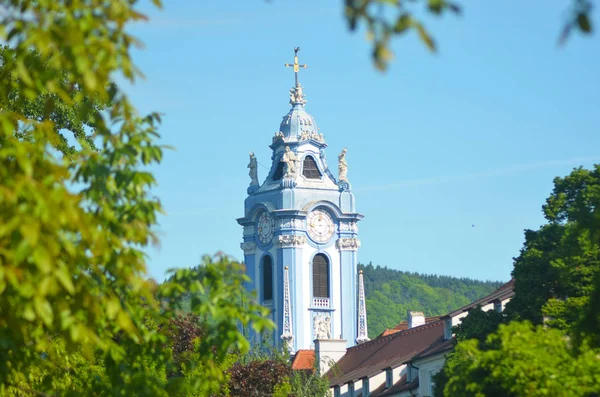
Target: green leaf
{"x": 584, "y": 23}
{"x": 41, "y": 257}
{"x": 43, "y": 310}
{"x": 404, "y": 22}
{"x": 425, "y": 37}
{"x": 64, "y": 278}
{"x": 31, "y": 232}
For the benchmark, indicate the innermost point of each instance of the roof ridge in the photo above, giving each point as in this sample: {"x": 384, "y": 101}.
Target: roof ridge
{"x": 396, "y": 334}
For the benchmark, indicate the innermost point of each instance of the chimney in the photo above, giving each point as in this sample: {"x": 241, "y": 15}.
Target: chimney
{"x": 329, "y": 352}
{"x": 415, "y": 319}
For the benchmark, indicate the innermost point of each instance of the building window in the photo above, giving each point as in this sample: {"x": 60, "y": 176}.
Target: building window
{"x": 278, "y": 172}
{"x": 498, "y": 306}
{"x": 310, "y": 169}
{"x": 351, "y": 390}
{"x": 320, "y": 276}
{"x": 336, "y": 391}
{"x": 432, "y": 382}
{"x": 365, "y": 387}
{"x": 447, "y": 328}
{"x": 267, "y": 269}
{"x": 389, "y": 378}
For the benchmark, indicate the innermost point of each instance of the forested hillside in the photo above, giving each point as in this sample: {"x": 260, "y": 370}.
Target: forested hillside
{"x": 391, "y": 293}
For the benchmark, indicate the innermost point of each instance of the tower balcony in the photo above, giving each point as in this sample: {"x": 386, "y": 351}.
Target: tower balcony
{"x": 323, "y": 303}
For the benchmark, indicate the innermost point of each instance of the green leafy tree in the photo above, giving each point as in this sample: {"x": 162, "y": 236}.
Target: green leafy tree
{"x": 527, "y": 361}
{"x": 554, "y": 275}
{"x": 557, "y": 284}
{"x": 76, "y": 117}
{"x": 73, "y": 294}
{"x": 478, "y": 324}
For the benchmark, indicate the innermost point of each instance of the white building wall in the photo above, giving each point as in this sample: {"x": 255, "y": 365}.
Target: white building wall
{"x": 344, "y": 391}
{"x": 490, "y": 306}
{"x": 427, "y": 368}
{"x": 376, "y": 381}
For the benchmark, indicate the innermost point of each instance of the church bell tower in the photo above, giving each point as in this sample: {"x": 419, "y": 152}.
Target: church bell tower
{"x": 300, "y": 237}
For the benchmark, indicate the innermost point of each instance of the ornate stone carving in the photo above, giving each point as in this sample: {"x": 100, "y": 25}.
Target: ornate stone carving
{"x": 349, "y": 244}
{"x": 248, "y": 247}
{"x": 297, "y": 96}
{"x": 306, "y": 135}
{"x": 290, "y": 159}
{"x": 291, "y": 224}
{"x": 322, "y": 326}
{"x": 342, "y": 166}
{"x": 303, "y": 136}
{"x": 287, "y": 336}
{"x": 362, "y": 312}
{"x": 349, "y": 227}
{"x": 288, "y": 240}
{"x": 249, "y": 230}
{"x": 278, "y": 135}
{"x": 253, "y": 166}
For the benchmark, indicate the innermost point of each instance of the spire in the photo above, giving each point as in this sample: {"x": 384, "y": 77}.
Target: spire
{"x": 296, "y": 95}
{"x": 362, "y": 311}
{"x": 287, "y": 336}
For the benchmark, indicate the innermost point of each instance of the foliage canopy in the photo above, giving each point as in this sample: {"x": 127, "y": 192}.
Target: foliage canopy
{"x": 76, "y": 313}
{"x": 546, "y": 342}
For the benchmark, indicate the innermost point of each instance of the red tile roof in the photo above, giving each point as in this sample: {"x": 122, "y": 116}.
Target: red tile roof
{"x": 304, "y": 360}
{"x": 370, "y": 358}
{"x": 400, "y": 345}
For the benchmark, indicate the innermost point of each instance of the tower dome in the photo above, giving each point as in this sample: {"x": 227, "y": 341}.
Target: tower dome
{"x": 298, "y": 123}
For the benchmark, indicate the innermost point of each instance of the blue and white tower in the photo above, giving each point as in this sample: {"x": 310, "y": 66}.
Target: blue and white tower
{"x": 303, "y": 220}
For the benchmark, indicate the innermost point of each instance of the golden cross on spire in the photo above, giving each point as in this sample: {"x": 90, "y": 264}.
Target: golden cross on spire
{"x": 296, "y": 65}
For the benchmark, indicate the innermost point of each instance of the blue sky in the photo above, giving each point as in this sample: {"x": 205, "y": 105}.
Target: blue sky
{"x": 472, "y": 135}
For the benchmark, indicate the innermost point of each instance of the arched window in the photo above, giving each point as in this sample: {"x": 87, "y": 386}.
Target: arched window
{"x": 320, "y": 270}
{"x": 267, "y": 269}
{"x": 310, "y": 169}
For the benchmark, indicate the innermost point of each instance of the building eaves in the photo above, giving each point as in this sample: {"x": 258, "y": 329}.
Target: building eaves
{"x": 400, "y": 386}
{"x": 504, "y": 292}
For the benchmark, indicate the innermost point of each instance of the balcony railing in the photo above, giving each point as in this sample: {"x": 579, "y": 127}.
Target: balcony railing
{"x": 268, "y": 304}
{"x": 320, "y": 302}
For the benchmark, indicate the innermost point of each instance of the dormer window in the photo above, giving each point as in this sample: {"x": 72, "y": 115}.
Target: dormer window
{"x": 498, "y": 306}
{"x": 447, "y": 328}
{"x": 310, "y": 169}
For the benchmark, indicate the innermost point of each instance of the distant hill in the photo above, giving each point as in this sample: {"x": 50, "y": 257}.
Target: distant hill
{"x": 391, "y": 293}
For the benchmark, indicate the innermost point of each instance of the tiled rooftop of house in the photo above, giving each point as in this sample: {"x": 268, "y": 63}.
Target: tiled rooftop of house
{"x": 370, "y": 358}
{"x": 404, "y": 326}
{"x": 304, "y": 360}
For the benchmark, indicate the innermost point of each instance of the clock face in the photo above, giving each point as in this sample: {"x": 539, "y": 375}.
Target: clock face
{"x": 266, "y": 227}
{"x": 320, "y": 226}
